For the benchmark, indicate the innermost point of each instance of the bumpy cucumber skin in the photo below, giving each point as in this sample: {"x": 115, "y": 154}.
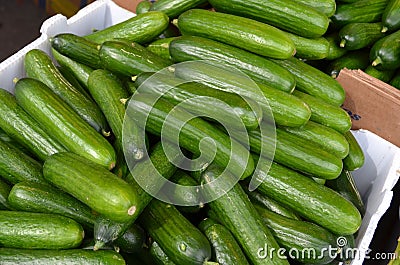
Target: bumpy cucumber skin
{"x": 352, "y": 60}
{"x": 355, "y": 36}
{"x": 327, "y": 7}
{"x": 310, "y": 49}
{"x": 391, "y": 16}
{"x": 335, "y": 51}
{"x": 143, "y": 7}
{"x": 355, "y": 159}
{"x": 133, "y": 240}
{"x": 161, "y": 47}
{"x": 385, "y": 53}
{"x": 4, "y": 192}
{"x": 176, "y": 7}
{"x": 158, "y": 255}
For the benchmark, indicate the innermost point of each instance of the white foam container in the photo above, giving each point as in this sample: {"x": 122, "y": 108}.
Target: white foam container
{"x": 375, "y": 179}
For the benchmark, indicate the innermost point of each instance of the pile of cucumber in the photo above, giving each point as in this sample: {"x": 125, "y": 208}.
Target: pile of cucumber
{"x": 70, "y": 163}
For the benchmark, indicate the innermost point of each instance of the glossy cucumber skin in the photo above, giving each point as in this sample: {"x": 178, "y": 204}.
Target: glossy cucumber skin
{"x": 143, "y": 7}
{"x": 176, "y": 7}
{"x": 248, "y": 34}
{"x": 288, "y": 15}
{"x": 4, "y": 192}
{"x": 335, "y": 51}
{"x": 385, "y": 53}
{"x": 60, "y": 121}
{"x": 383, "y": 75}
{"x": 132, "y": 241}
{"x": 38, "y": 231}
{"x": 355, "y": 159}
{"x": 70, "y": 76}
{"x": 327, "y": 7}
{"x": 141, "y": 28}
{"x": 352, "y": 60}
{"x": 158, "y": 255}
{"x": 355, "y": 36}
{"x": 390, "y": 16}
{"x": 189, "y": 48}
{"x": 161, "y": 47}
{"x": 311, "y": 49}
{"x": 100, "y": 189}
{"x": 19, "y": 125}
{"x": 38, "y": 65}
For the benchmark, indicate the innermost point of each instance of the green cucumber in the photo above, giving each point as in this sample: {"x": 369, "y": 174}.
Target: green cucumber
{"x": 38, "y": 65}
{"x": 132, "y": 241}
{"x": 70, "y": 76}
{"x": 299, "y": 236}
{"x": 4, "y": 192}
{"x": 287, "y": 15}
{"x": 224, "y": 246}
{"x": 43, "y": 198}
{"x": 143, "y": 7}
{"x": 352, "y": 60}
{"x": 158, "y": 255}
{"x": 390, "y": 16}
{"x": 335, "y": 51}
{"x": 286, "y": 109}
{"x": 199, "y": 99}
{"x": 98, "y": 188}
{"x": 326, "y": 114}
{"x": 355, "y": 36}
{"x": 235, "y": 211}
{"x": 327, "y": 138}
{"x": 19, "y": 125}
{"x": 244, "y": 33}
{"x": 178, "y": 238}
{"x": 385, "y": 53}
{"x": 175, "y": 7}
{"x": 314, "y": 82}
{"x": 161, "y": 47}
{"x": 262, "y": 70}
{"x": 69, "y": 256}
{"x": 383, "y": 75}
{"x": 60, "y": 121}
{"x": 327, "y": 7}
{"x": 355, "y": 159}
{"x": 38, "y": 231}
{"x": 124, "y": 59}
{"x": 395, "y": 81}
{"x": 310, "y": 49}
{"x": 141, "y": 28}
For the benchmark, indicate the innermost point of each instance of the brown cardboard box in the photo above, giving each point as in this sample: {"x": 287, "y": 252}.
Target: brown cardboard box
{"x": 372, "y": 104}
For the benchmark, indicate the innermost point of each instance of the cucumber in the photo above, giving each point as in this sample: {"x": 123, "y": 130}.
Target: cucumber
{"x": 132, "y": 241}
{"x": 158, "y": 255}
{"x": 143, "y": 7}
{"x": 62, "y": 123}
{"x": 335, "y": 51}
{"x": 360, "y": 11}
{"x": 390, "y": 16}
{"x": 352, "y": 60}
{"x": 327, "y": 7}
{"x": 101, "y": 190}
{"x": 355, "y": 159}
{"x": 310, "y": 49}
{"x": 244, "y": 33}
{"x": 4, "y": 192}
{"x": 38, "y": 231}
{"x": 224, "y": 246}
{"x": 70, "y": 77}
{"x": 175, "y": 7}
{"x": 235, "y": 211}
{"x": 287, "y": 15}
{"x": 383, "y": 75}
{"x": 326, "y": 114}
{"x": 43, "y": 198}
{"x": 128, "y": 60}
{"x": 299, "y": 236}
{"x": 69, "y": 256}
{"x": 385, "y": 53}
{"x": 314, "y": 82}
{"x": 355, "y": 36}
{"x": 141, "y": 28}
{"x": 346, "y": 186}
{"x": 327, "y": 138}
{"x": 199, "y": 99}
{"x": 262, "y": 70}
{"x": 178, "y": 238}
{"x": 312, "y": 201}
{"x": 395, "y": 81}
{"x": 286, "y": 109}
{"x": 38, "y": 65}
{"x": 161, "y": 47}
{"x": 24, "y": 129}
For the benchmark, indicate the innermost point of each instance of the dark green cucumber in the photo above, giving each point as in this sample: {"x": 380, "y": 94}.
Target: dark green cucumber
{"x": 326, "y": 114}
{"x": 327, "y": 7}
{"x": 24, "y": 129}
{"x": 161, "y": 47}
{"x": 202, "y": 100}
{"x": 132, "y": 241}
{"x": 286, "y": 109}
{"x": 4, "y": 192}
{"x": 176, "y": 7}
{"x": 346, "y": 186}
{"x": 224, "y": 246}
{"x": 244, "y": 33}
{"x": 327, "y": 138}
{"x": 355, "y": 159}
{"x": 11, "y": 256}
{"x": 360, "y": 11}
{"x": 355, "y": 36}
{"x": 335, "y": 51}
{"x": 385, "y": 53}
{"x": 38, "y": 65}
{"x": 141, "y": 28}
{"x": 314, "y": 82}
{"x": 311, "y": 200}
{"x": 262, "y": 70}
{"x": 158, "y": 255}
{"x": 235, "y": 211}
{"x": 98, "y": 188}
{"x": 38, "y": 231}
{"x": 192, "y": 130}
{"x": 391, "y": 16}
{"x": 395, "y": 81}
{"x": 299, "y": 236}
{"x": 352, "y": 60}
{"x": 122, "y": 58}
{"x": 43, "y": 198}
{"x": 143, "y": 7}
{"x": 62, "y": 123}
{"x": 383, "y": 75}
{"x": 288, "y": 15}
{"x": 310, "y": 49}
{"x": 77, "y": 48}
{"x": 178, "y": 238}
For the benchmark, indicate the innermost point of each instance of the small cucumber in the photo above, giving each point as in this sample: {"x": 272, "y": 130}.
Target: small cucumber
{"x": 327, "y": 7}
{"x": 132, "y": 241}
{"x": 161, "y": 47}
{"x": 355, "y": 36}
{"x": 385, "y": 53}
{"x": 310, "y": 49}
{"x": 62, "y": 123}
{"x": 383, "y": 75}
{"x": 158, "y": 255}
{"x": 391, "y": 16}
{"x": 4, "y": 192}
{"x": 38, "y": 231}
{"x": 143, "y": 7}
{"x": 352, "y": 60}
{"x": 355, "y": 159}
{"x": 175, "y": 7}
{"x": 141, "y": 28}
{"x": 335, "y": 51}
